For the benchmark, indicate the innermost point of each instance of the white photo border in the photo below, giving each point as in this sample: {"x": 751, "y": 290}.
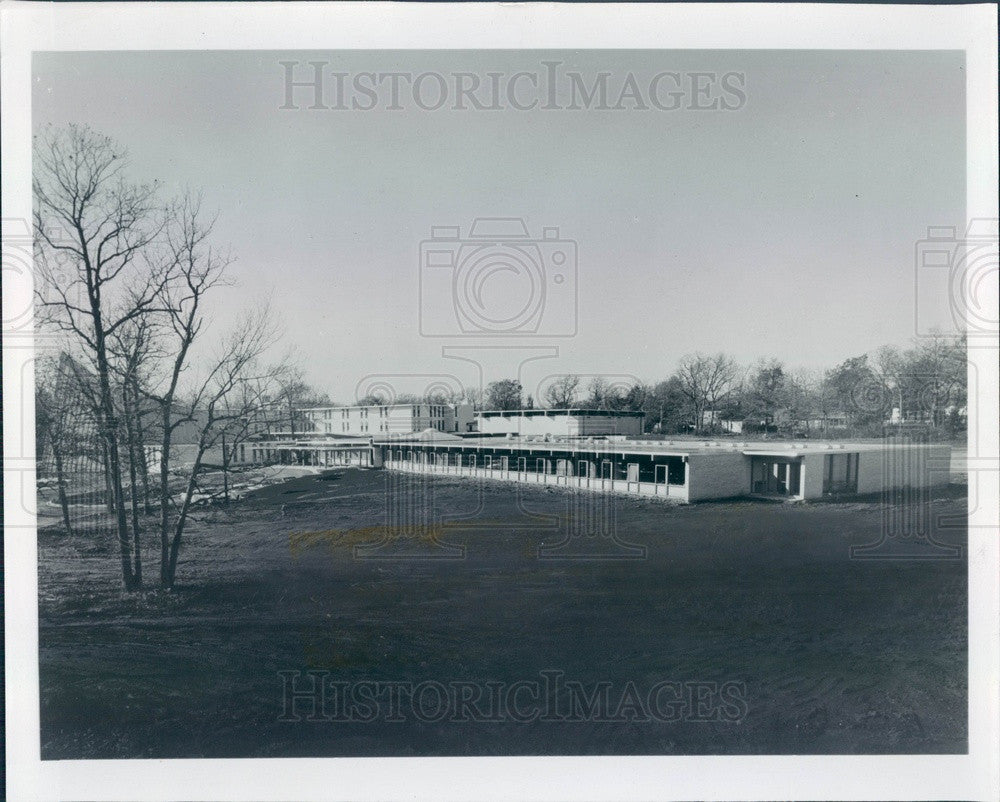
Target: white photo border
{"x": 32, "y": 27}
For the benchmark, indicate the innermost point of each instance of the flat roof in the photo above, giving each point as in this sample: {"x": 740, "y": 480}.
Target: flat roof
{"x": 534, "y": 413}
{"x": 381, "y": 406}
{"x": 679, "y": 448}
{"x": 312, "y": 442}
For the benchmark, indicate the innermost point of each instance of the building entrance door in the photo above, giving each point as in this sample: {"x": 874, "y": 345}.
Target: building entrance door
{"x": 774, "y": 477}
{"x": 660, "y": 478}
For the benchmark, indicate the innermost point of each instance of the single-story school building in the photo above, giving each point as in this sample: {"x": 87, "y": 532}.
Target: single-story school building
{"x": 685, "y": 470}
{"x": 311, "y": 449}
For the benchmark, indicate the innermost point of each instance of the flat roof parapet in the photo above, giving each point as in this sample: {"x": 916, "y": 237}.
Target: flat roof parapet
{"x": 403, "y": 405}
{"x": 653, "y": 447}
{"x": 533, "y": 413}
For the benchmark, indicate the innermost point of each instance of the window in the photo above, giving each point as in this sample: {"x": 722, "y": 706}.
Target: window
{"x": 840, "y": 474}
{"x": 675, "y": 471}
{"x": 647, "y": 471}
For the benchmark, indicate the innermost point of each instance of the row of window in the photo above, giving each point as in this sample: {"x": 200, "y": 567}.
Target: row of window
{"x": 385, "y": 426}
{"x": 669, "y": 471}
{"x": 436, "y": 411}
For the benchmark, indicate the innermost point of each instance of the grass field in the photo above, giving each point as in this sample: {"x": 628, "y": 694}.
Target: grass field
{"x": 834, "y": 655}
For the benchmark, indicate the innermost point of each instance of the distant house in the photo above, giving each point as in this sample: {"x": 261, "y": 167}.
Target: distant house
{"x": 922, "y": 417}
{"x": 713, "y": 419}
{"x": 819, "y": 422}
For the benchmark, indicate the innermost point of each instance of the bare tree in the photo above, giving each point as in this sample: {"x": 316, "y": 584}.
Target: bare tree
{"x": 935, "y": 372}
{"x": 561, "y": 394}
{"x": 91, "y": 219}
{"x": 597, "y": 392}
{"x": 705, "y": 381}
{"x": 194, "y": 269}
{"x": 256, "y": 400}
{"x": 132, "y": 347}
{"x": 805, "y": 395}
{"x": 474, "y": 395}
{"x": 295, "y": 395}
{"x": 889, "y": 364}
{"x": 222, "y": 401}
{"x": 766, "y": 393}
{"x": 57, "y": 410}
{"x": 440, "y": 396}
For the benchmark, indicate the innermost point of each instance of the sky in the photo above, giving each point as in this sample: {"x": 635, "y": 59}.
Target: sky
{"x": 785, "y": 227}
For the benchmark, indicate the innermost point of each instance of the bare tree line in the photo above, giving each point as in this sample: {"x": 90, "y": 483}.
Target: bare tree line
{"x": 925, "y": 384}
{"x": 123, "y": 282}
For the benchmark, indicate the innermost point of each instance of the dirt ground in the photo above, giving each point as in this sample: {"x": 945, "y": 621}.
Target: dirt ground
{"x": 333, "y": 573}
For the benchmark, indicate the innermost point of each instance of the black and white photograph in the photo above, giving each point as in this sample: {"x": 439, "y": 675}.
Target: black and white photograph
{"x": 500, "y": 402}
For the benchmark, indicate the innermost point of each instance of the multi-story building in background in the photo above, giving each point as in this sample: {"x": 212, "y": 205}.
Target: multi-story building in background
{"x": 383, "y": 419}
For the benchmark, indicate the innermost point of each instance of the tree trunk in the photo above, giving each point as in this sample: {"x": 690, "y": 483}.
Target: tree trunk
{"x": 225, "y": 471}
{"x": 175, "y": 544}
{"x": 121, "y": 520}
{"x": 165, "y": 579}
{"x": 143, "y": 461}
{"x": 133, "y": 481}
{"x": 109, "y": 492}
{"x": 147, "y": 507}
{"x": 61, "y": 486}
{"x": 111, "y": 438}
